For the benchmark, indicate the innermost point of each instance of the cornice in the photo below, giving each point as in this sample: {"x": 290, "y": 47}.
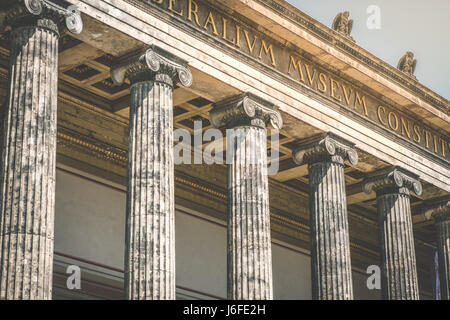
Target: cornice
{"x": 335, "y": 39}
{"x": 93, "y": 147}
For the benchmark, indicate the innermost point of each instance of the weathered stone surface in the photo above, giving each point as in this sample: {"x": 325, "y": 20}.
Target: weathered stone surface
{"x": 439, "y": 209}
{"x": 443, "y": 241}
{"x": 249, "y": 242}
{"x": 398, "y": 269}
{"x": 330, "y": 244}
{"x": 150, "y": 230}
{"x": 27, "y": 183}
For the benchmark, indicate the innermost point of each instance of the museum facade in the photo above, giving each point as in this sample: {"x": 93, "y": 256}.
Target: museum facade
{"x": 116, "y": 114}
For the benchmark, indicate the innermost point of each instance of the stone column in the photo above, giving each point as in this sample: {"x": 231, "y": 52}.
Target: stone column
{"x": 27, "y": 182}
{"x": 330, "y": 245}
{"x": 150, "y": 229}
{"x": 398, "y": 258}
{"x": 439, "y": 209}
{"x": 249, "y": 244}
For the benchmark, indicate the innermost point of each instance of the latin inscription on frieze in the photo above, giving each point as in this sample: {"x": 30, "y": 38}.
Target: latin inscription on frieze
{"x": 240, "y": 36}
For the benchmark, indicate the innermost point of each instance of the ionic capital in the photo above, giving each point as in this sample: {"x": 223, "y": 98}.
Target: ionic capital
{"x": 392, "y": 180}
{"x": 43, "y": 13}
{"x": 152, "y": 64}
{"x": 439, "y": 209}
{"x": 325, "y": 147}
{"x": 244, "y": 110}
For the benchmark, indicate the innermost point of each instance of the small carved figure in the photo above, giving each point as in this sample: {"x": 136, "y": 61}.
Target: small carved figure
{"x": 407, "y": 64}
{"x": 343, "y": 24}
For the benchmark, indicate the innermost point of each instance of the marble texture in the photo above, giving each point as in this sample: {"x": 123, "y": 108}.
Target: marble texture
{"x": 28, "y": 167}
{"x": 398, "y": 259}
{"x": 150, "y": 226}
{"x": 330, "y": 245}
{"x": 249, "y": 253}
{"x": 439, "y": 210}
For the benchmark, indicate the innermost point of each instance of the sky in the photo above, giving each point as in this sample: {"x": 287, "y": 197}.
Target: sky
{"x": 420, "y": 26}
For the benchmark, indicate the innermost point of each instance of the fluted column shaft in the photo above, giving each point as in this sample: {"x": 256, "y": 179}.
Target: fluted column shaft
{"x": 150, "y": 229}
{"x": 28, "y": 166}
{"x": 249, "y": 244}
{"x": 330, "y": 244}
{"x": 443, "y": 245}
{"x": 249, "y": 252}
{"x": 439, "y": 210}
{"x": 398, "y": 258}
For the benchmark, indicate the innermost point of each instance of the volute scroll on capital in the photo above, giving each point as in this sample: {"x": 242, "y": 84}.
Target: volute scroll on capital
{"x": 154, "y": 64}
{"x": 325, "y": 147}
{"x": 245, "y": 109}
{"x": 38, "y": 12}
{"x": 392, "y": 179}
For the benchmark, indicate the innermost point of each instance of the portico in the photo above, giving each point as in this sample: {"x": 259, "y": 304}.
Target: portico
{"x": 104, "y": 106}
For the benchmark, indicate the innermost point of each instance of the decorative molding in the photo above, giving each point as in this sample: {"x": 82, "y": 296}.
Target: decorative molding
{"x": 245, "y": 109}
{"x": 219, "y": 195}
{"x": 325, "y": 147}
{"x": 392, "y": 179}
{"x": 152, "y": 64}
{"x": 95, "y": 148}
{"x": 61, "y": 13}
